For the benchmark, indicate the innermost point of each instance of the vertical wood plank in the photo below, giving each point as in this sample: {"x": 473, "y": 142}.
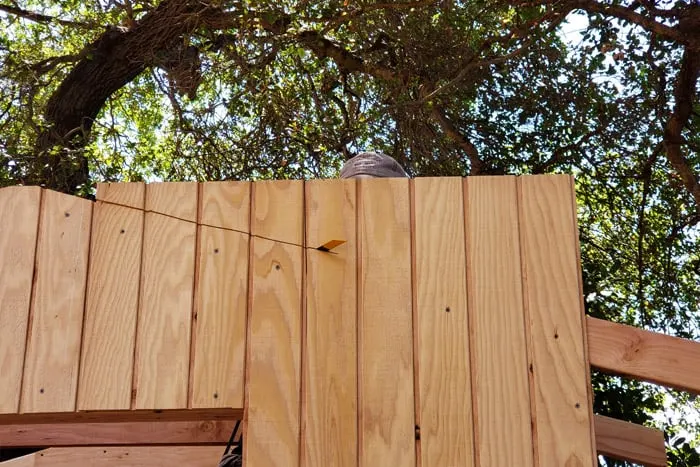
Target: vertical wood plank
{"x": 443, "y": 332}
{"x": 226, "y": 205}
{"x": 274, "y": 354}
{"x": 19, "y": 216}
{"x": 161, "y": 372}
{"x": 330, "y": 396}
{"x": 498, "y": 343}
{"x": 106, "y": 369}
{"x": 222, "y": 296}
{"x": 553, "y": 298}
{"x": 53, "y": 342}
{"x": 386, "y": 402}
{"x": 276, "y": 211}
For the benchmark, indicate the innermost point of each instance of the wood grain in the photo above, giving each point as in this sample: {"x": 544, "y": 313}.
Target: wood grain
{"x": 549, "y": 245}
{"x": 386, "y": 400}
{"x": 629, "y": 442}
{"x": 273, "y": 389}
{"x": 109, "y": 456}
{"x": 19, "y": 215}
{"x": 443, "y": 331}
{"x": 119, "y": 416}
{"x": 221, "y": 303}
{"x": 164, "y": 316}
{"x": 53, "y": 341}
{"x": 330, "y": 397}
{"x": 129, "y": 194}
{"x": 650, "y": 356}
{"x": 497, "y": 325}
{"x": 116, "y": 433}
{"x": 226, "y": 204}
{"x": 106, "y": 369}
{"x": 276, "y": 210}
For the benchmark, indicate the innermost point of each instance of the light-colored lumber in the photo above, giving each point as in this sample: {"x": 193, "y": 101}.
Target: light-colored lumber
{"x": 58, "y": 300}
{"x": 19, "y": 211}
{"x": 221, "y": 304}
{"x": 226, "y": 204}
{"x": 440, "y": 283}
{"x": 107, "y": 359}
{"x": 497, "y": 326}
{"x": 330, "y": 396}
{"x": 273, "y": 389}
{"x": 386, "y": 399}
{"x": 629, "y": 442}
{"x": 165, "y": 310}
{"x": 549, "y": 243}
{"x": 123, "y": 416}
{"x": 129, "y": 194}
{"x": 133, "y": 456}
{"x": 116, "y": 433}
{"x": 276, "y": 210}
{"x": 651, "y": 356}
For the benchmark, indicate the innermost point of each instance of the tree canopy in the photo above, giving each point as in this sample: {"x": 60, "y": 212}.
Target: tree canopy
{"x": 128, "y": 90}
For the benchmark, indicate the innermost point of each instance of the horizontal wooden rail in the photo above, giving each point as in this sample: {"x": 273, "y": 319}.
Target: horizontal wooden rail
{"x": 109, "y": 456}
{"x": 116, "y": 434}
{"x": 123, "y": 416}
{"x": 645, "y": 355}
{"x": 629, "y": 442}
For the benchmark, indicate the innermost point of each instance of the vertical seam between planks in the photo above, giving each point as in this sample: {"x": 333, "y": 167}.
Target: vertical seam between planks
{"x": 249, "y": 312}
{"x": 85, "y": 294}
{"x": 527, "y": 322}
{"x": 415, "y": 334}
{"x": 194, "y": 312}
{"x": 302, "y": 352}
{"x": 582, "y": 312}
{"x": 134, "y": 368}
{"x": 32, "y": 298}
{"x": 358, "y": 316}
{"x": 470, "y": 323}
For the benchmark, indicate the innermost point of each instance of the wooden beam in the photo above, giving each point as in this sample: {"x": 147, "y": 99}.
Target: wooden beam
{"x": 629, "y": 442}
{"x": 119, "y": 433}
{"x": 134, "y": 456}
{"x": 123, "y": 416}
{"x": 650, "y": 356}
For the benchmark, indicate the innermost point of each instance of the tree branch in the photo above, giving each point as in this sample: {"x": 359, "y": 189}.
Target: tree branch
{"x": 627, "y": 14}
{"x": 453, "y": 132}
{"x": 45, "y": 19}
{"x": 684, "y": 94}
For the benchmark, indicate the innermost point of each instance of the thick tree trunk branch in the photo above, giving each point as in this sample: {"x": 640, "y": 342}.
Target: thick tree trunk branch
{"x": 677, "y": 34}
{"x": 106, "y": 65}
{"x": 453, "y": 132}
{"x": 673, "y": 139}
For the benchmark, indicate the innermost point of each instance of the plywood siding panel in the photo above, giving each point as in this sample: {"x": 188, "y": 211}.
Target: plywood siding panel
{"x": 497, "y": 326}
{"x": 19, "y": 211}
{"x": 165, "y": 311}
{"x": 330, "y": 396}
{"x": 386, "y": 399}
{"x": 276, "y": 210}
{"x": 112, "y": 301}
{"x": 442, "y": 324}
{"x": 272, "y": 437}
{"x": 53, "y": 343}
{"x": 221, "y": 303}
{"x": 226, "y": 204}
{"x": 553, "y": 298}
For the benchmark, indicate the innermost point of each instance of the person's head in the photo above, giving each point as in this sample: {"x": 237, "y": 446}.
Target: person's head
{"x": 372, "y": 165}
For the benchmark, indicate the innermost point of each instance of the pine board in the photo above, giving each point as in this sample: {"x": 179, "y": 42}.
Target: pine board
{"x": 56, "y": 317}
{"x": 329, "y": 405}
{"x": 19, "y": 211}
{"x": 444, "y": 392}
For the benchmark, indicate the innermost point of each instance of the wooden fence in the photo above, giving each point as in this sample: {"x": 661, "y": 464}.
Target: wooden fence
{"x": 433, "y": 322}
